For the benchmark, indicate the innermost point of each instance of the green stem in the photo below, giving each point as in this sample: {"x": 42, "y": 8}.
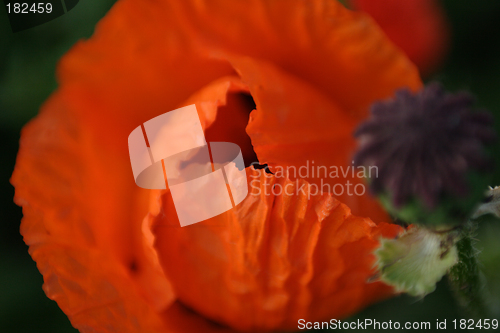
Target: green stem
{"x": 465, "y": 277}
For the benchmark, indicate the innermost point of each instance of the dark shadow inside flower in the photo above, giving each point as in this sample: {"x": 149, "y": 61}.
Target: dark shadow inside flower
{"x": 230, "y": 124}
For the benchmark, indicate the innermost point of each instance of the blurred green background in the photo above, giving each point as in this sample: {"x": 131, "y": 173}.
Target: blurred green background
{"x": 27, "y": 65}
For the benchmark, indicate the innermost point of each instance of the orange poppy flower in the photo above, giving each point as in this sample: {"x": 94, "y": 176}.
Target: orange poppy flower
{"x": 418, "y": 27}
{"x": 113, "y": 255}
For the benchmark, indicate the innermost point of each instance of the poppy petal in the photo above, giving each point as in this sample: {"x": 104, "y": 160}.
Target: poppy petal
{"x": 139, "y": 63}
{"x": 83, "y": 224}
{"x": 418, "y": 27}
{"x": 273, "y": 259}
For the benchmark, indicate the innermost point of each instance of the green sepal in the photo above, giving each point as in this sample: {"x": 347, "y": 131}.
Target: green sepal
{"x": 414, "y": 262}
